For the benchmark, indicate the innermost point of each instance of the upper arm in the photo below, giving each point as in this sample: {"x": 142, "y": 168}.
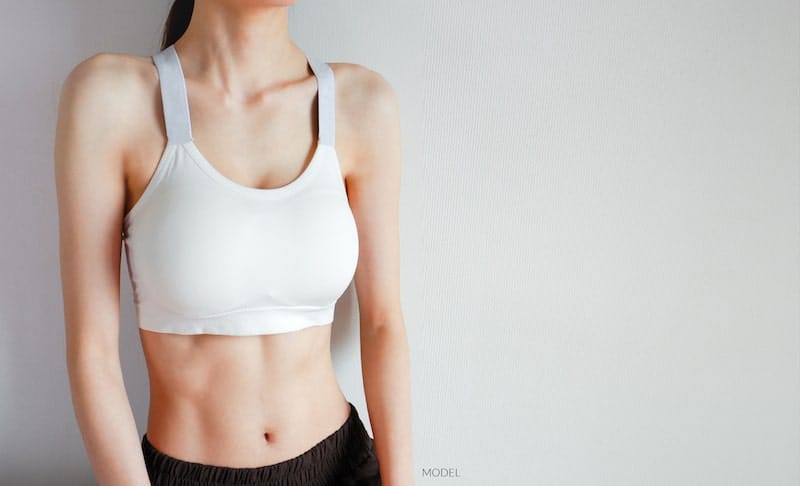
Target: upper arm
{"x": 374, "y": 192}
{"x": 90, "y": 191}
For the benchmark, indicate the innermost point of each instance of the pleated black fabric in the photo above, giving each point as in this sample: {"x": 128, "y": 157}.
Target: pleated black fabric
{"x": 344, "y": 458}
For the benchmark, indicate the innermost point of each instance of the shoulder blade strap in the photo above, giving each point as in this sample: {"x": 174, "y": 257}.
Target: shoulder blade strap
{"x": 173, "y": 96}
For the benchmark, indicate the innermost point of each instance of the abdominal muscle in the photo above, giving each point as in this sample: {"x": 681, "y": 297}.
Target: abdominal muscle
{"x": 241, "y": 401}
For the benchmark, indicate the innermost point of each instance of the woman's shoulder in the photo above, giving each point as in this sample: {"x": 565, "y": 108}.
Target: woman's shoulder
{"x": 367, "y": 101}
{"x": 361, "y": 83}
{"x": 111, "y": 72}
{"x": 111, "y": 80}
{"x": 104, "y": 93}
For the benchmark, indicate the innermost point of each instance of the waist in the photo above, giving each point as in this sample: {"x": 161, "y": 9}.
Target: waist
{"x": 239, "y": 431}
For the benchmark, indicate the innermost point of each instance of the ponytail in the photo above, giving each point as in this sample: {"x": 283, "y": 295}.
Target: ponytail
{"x": 177, "y": 21}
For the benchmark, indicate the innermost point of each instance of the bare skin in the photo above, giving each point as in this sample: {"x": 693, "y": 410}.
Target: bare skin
{"x": 237, "y": 401}
{"x": 241, "y": 401}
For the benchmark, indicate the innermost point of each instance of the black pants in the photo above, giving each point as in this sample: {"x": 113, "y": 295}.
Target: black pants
{"x": 344, "y": 458}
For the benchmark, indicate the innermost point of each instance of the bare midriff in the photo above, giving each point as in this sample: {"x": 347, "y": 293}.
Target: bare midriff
{"x": 241, "y": 401}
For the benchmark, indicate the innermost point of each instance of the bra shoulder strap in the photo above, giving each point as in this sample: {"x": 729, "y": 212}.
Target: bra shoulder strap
{"x": 173, "y": 96}
{"x": 326, "y": 100}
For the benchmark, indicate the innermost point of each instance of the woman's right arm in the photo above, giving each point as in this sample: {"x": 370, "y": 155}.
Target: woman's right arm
{"x": 90, "y": 190}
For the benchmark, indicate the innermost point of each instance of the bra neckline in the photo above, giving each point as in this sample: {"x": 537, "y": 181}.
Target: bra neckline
{"x": 295, "y": 184}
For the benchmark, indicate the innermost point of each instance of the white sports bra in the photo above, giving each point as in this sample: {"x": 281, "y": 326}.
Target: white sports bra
{"x": 207, "y": 255}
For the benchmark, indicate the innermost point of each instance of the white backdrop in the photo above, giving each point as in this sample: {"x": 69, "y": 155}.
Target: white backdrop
{"x": 600, "y": 230}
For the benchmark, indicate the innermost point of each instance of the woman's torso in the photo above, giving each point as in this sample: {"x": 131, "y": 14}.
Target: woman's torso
{"x": 237, "y": 401}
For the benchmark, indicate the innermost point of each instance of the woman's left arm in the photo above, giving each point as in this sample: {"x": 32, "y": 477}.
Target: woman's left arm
{"x": 374, "y": 193}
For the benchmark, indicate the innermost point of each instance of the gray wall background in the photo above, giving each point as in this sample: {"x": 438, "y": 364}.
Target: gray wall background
{"x": 599, "y": 234}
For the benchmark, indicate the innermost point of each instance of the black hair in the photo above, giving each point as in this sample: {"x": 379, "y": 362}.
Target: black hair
{"x": 177, "y": 21}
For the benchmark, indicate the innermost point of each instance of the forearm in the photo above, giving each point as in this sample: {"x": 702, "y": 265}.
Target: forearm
{"x": 387, "y": 386}
{"x": 107, "y": 425}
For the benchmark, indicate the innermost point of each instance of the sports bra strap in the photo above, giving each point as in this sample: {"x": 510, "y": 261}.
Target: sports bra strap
{"x": 326, "y": 100}
{"x": 173, "y": 96}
